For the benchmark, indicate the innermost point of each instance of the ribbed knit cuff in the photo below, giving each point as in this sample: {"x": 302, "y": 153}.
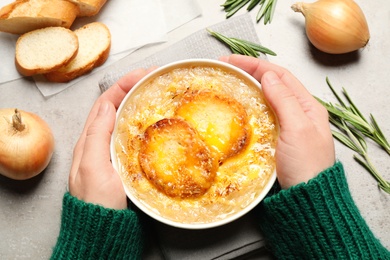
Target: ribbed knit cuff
{"x": 318, "y": 220}
{"x": 90, "y": 231}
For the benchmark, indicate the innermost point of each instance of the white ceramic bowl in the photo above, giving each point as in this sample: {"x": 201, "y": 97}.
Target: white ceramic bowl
{"x": 145, "y": 208}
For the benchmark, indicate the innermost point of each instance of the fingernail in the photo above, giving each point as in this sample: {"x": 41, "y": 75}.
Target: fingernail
{"x": 271, "y": 78}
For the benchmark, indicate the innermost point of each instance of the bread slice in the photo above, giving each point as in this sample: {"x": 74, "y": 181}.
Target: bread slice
{"x": 23, "y": 16}
{"x": 94, "y": 47}
{"x": 89, "y": 7}
{"x": 167, "y": 163}
{"x": 44, "y": 50}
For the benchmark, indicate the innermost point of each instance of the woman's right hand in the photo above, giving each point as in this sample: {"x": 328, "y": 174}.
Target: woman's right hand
{"x": 305, "y": 145}
{"x": 92, "y": 177}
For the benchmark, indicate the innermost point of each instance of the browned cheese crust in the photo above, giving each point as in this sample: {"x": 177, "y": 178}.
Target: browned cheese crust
{"x": 176, "y": 160}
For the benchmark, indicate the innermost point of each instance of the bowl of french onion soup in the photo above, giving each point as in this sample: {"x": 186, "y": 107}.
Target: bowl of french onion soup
{"x": 194, "y": 144}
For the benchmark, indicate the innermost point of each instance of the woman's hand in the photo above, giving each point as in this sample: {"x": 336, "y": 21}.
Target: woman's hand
{"x": 305, "y": 146}
{"x": 92, "y": 177}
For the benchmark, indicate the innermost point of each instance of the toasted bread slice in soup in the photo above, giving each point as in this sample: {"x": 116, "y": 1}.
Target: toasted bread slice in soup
{"x": 24, "y": 16}
{"x": 176, "y": 160}
{"x": 45, "y": 50}
{"x": 89, "y": 7}
{"x": 94, "y": 48}
{"x": 220, "y": 119}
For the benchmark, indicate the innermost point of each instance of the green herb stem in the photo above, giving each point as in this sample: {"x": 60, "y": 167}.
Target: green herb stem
{"x": 234, "y": 7}
{"x": 352, "y": 115}
{"x": 383, "y": 184}
{"x": 266, "y": 10}
{"x": 240, "y": 46}
{"x": 356, "y": 142}
{"x": 354, "y": 127}
{"x": 252, "y": 4}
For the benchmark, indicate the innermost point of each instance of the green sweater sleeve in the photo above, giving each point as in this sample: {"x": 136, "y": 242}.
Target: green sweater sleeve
{"x": 90, "y": 231}
{"x": 318, "y": 220}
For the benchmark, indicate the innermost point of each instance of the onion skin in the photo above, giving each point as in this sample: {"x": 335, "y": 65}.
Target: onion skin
{"x": 26, "y": 152}
{"x": 335, "y": 26}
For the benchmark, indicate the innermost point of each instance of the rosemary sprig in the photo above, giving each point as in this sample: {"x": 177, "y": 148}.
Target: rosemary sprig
{"x": 353, "y": 127}
{"x": 351, "y": 114}
{"x": 240, "y": 46}
{"x": 266, "y": 11}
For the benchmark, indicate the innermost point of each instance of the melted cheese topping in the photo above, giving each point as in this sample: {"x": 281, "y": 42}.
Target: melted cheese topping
{"x": 239, "y": 178}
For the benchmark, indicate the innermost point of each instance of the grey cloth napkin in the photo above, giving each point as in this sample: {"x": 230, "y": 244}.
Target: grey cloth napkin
{"x": 239, "y": 239}
{"x": 198, "y": 45}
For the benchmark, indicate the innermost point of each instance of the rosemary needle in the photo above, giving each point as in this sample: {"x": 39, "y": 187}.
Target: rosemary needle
{"x": 252, "y": 4}
{"x": 240, "y": 46}
{"x": 231, "y": 7}
{"x": 266, "y": 11}
{"x": 353, "y": 127}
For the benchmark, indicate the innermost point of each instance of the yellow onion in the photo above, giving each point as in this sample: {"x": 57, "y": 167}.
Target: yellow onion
{"x": 26, "y": 144}
{"x": 334, "y": 26}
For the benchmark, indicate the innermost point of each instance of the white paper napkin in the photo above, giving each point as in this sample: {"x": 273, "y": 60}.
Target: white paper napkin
{"x": 8, "y": 71}
{"x": 132, "y": 23}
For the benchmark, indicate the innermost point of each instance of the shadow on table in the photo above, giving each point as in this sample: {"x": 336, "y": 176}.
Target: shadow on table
{"x": 332, "y": 60}
{"x": 21, "y": 186}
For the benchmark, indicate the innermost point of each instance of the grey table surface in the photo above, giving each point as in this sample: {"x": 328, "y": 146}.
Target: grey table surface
{"x": 30, "y": 210}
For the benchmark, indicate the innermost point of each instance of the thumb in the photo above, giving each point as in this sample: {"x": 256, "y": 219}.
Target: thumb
{"x": 282, "y": 100}
{"x": 98, "y": 134}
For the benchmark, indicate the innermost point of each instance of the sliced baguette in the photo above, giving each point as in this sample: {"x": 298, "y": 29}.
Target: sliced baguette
{"x": 44, "y": 50}
{"x": 89, "y": 7}
{"x": 94, "y": 47}
{"x": 23, "y": 16}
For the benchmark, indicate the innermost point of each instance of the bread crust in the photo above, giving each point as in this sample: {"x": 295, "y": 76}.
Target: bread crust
{"x": 24, "y": 16}
{"x": 32, "y": 69}
{"x": 88, "y": 7}
{"x": 69, "y": 72}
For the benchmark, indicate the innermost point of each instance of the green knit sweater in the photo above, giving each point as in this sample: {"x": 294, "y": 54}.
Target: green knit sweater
{"x": 90, "y": 231}
{"x": 317, "y": 220}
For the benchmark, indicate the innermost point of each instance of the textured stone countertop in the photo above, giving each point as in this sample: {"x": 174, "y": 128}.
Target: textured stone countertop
{"x": 30, "y": 210}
